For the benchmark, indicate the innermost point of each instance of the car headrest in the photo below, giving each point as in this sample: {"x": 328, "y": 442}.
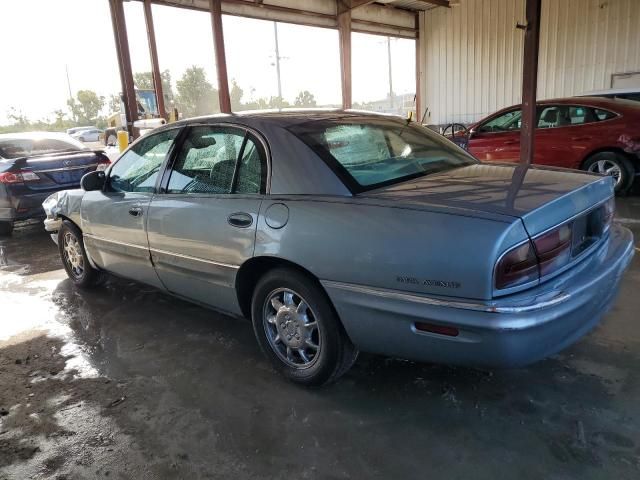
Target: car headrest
{"x": 202, "y": 141}
{"x": 550, "y": 116}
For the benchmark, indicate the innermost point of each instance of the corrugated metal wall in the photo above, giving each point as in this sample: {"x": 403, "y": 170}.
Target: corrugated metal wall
{"x": 473, "y": 52}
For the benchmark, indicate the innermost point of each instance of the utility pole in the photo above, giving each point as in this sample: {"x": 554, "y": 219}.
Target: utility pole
{"x": 275, "y": 32}
{"x": 391, "y": 102}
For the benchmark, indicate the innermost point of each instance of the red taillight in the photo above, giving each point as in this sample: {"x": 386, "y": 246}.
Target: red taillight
{"x": 10, "y": 177}
{"x": 553, "y": 249}
{"x": 18, "y": 177}
{"x": 103, "y": 165}
{"x": 516, "y": 267}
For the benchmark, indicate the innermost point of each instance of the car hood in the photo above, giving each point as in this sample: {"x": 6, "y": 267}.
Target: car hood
{"x": 542, "y": 197}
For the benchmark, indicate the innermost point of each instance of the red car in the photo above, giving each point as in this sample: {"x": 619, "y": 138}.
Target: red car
{"x": 588, "y": 133}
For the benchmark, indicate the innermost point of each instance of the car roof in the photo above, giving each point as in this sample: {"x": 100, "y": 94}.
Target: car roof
{"x": 609, "y": 91}
{"x": 289, "y": 116}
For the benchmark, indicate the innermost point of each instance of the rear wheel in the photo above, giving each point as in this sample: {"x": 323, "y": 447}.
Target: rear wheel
{"x": 74, "y": 256}
{"x": 298, "y": 329}
{"x": 6, "y": 228}
{"x": 615, "y": 165}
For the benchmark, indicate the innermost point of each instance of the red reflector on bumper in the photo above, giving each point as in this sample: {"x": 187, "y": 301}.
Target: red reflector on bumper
{"x": 439, "y": 329}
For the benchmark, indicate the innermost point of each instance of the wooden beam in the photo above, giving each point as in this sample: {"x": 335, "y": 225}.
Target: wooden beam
{"x": 438, "y": 3}
{"x": 530, "y": 80}
{"x": 124, "y": 63}
{"x": 359, "y": 3}
{"x": 153, "y": 54}
{"x": 221, "y": 59}
{"x": 344, "y": 32}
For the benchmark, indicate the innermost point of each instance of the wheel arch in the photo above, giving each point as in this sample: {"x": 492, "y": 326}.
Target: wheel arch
{"x": 618, "y": 150}
{"x": 253, "y": 269}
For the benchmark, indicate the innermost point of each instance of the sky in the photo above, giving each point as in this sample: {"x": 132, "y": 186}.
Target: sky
{"x": 75, "y": 36}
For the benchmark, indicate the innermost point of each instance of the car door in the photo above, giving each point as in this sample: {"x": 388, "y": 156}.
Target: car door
{"x": 565, "y": 134}
{"x": 113, "y": 220}
{"x": 497, "y": 139}
{"x": 202, "y": 224}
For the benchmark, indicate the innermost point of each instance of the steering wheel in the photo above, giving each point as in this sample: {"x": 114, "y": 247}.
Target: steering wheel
{"x": 459, "y": 134}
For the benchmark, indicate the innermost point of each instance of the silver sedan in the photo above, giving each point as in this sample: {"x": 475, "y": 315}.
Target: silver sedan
{"x": 336, "y": 232}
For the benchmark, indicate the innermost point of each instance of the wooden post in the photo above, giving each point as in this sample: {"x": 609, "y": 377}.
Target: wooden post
{"x": 221, "y": 60}
{"x": 124, "y": 62}
{"x": 344, "y": 31}
{"x": 530, "y": 81}
{"x": 153, "y": 53}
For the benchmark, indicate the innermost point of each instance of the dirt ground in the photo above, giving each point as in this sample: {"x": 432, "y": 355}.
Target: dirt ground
{"x": 125, "y": 382}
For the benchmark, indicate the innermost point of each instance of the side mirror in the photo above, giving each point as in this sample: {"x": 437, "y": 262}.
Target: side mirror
{"x": 93, "y": 181}
{"x": 472, "y": 133}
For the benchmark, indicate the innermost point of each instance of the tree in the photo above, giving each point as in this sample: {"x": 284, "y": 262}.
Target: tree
{"x": 114, "y": 103}
{"x": 236, "y": 96}
{"x": 86, "y": 106}
{"x": 196, "y": 96}
{"x": 305, "y": 99}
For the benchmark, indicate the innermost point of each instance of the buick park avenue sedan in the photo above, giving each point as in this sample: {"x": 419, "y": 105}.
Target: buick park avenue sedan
{"x": 337, "y": 231}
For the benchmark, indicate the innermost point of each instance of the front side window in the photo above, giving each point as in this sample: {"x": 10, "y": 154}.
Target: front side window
{"x": 507, "y": 122}
{"x": 137, "y": 170}
{"x": 374, "y": 152}
{"x": 218, "y": 160}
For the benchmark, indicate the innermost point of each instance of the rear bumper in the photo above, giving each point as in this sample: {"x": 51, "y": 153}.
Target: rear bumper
{"x": 22, "y": 207}
{"x": 508, "y": 332}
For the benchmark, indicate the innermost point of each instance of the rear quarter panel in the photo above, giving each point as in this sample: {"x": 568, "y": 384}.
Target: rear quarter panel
{"x": 379, "y": 246}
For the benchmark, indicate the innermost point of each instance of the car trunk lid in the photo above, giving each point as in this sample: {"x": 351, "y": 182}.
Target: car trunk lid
{"x": 542, "y": 197}
{"x": 58, "y": 171}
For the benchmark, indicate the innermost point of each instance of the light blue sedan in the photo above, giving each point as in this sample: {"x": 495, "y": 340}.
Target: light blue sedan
{"x": 337, "y": 231}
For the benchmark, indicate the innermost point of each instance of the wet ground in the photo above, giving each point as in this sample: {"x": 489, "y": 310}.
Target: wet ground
{"x": 125, "y": 382}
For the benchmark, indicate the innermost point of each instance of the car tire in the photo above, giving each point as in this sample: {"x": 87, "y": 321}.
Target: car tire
{"x": 6, "y": 229}
{"x": 334, "y": 353}
{"x": 74, "y": 257}
{"x": 602, "y": 161}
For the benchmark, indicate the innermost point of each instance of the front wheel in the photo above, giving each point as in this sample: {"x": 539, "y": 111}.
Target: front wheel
{"x": 615, "y": 165}
{"x": 298, "y": 330}
{"x": 74, "y": 256}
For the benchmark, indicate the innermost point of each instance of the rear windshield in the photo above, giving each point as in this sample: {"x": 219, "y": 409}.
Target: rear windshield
{"x": 25, "y": 147}
{"x": 374, "y": 152}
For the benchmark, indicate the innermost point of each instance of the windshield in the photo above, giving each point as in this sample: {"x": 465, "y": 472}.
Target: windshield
{"x": 26, "y": 147}
{"x": 373, "y": 152}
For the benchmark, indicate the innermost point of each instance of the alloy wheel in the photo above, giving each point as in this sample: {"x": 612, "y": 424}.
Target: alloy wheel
{"x": 291, "y": 328}
{"x": 607, "y": 167}
{"x": 73, "y": 255}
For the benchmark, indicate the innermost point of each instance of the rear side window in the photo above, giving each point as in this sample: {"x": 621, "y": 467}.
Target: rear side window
{"x": 218, "y": 160}
{"x": 603, "y": 114}
{"x": 137, "y": 170}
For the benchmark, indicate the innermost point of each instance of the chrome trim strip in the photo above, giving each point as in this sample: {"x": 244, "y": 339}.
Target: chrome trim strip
{"x": 115, "y": 242}
{"x": 479, "y": 307}
{"x": 195, "y": 259}
{"x": 66, "y": 169}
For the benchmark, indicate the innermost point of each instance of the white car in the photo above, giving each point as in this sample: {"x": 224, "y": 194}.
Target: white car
{"x": 90, "y": 135}
{"x": 71, "y": 131}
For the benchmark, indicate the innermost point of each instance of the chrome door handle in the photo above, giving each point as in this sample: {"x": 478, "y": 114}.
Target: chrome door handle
{"x": 135, "y": 211}
{"x": 240, "y": 220}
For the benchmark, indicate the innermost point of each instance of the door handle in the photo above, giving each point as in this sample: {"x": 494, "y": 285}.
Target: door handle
{"x": 511, "y": 142}
{"x": 135, "y": 211}
{"x": 240, "y": 220}
{"x": 580, "y": 139}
